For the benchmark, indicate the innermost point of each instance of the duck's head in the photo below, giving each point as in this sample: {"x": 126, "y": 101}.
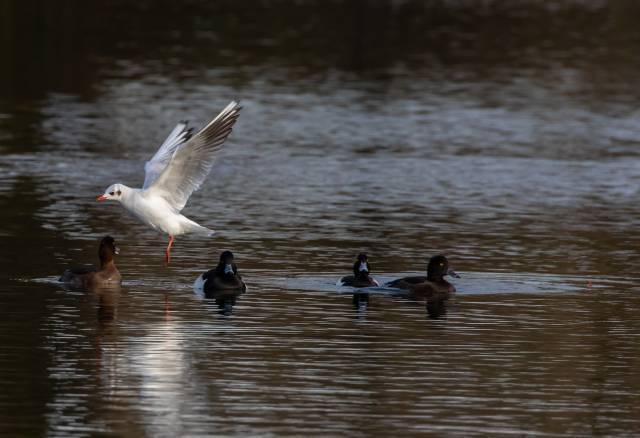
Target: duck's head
{"x": 362, "y": 263}
{"x": 227, "y": 262}
{"x": 438, "y": 267}
{"x": 107, "y": 249}
{"x": 113, "y": 193}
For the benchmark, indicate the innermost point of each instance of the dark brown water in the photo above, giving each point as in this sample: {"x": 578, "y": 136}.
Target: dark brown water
{"x": 503, "y": 134}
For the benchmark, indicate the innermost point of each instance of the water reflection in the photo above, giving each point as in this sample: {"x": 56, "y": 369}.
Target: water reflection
{"x": 159, "y": 362}
{"x": 396, "y": 128}
{"x": 225, "y": 300}
{"x": 360, "y": 302}
{"x": 437, "y": 307}
{"x": 108, "y": 298}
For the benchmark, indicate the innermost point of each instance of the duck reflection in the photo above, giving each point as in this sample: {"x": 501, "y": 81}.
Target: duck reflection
{"x": 108, "y": 297}
{"x": 225, "y": 300}
{"x": 360, "y": 301}
{"x": 435, "y": 303}
{"x": 437, "y": 307}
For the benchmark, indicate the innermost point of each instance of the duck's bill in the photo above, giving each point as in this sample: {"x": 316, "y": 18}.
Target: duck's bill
{"x": 453, "y": 274}
{"x": 101, "y": 198}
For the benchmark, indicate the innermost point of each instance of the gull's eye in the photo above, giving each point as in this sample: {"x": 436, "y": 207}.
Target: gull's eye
{"x": 119, "y": 192}
{"x": 111, "y": 193}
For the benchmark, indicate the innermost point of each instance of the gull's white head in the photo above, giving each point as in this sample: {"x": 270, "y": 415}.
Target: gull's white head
{"x": 113, "y": 193}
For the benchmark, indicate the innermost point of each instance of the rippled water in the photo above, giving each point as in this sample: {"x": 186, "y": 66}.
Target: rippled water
{"x": 506, "y": 137}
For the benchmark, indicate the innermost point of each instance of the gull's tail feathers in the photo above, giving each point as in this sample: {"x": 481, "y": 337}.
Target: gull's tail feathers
{"x": 190, "y": 227}
{"x": 199, "y": 230}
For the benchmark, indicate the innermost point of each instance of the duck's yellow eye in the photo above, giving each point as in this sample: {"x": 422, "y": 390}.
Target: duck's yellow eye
{"x": 441, "y": 264}
{"x": 119, "y": 193}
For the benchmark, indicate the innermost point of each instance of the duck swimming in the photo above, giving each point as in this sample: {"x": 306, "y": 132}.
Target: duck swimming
{"x": 361, "y": 274}
{"x": 431, "y": 285}
{"x": 107, "y": 273}
{"x": 223, "y": 277}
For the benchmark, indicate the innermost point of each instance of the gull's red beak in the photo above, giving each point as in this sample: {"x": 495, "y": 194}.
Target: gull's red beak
{"x": 101, "y": 198}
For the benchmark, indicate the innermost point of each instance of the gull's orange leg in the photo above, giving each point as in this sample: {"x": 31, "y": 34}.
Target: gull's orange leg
{"x": 167, "y": 255}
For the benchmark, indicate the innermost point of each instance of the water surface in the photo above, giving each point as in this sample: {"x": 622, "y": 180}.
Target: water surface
{"x": 503, "y": 136}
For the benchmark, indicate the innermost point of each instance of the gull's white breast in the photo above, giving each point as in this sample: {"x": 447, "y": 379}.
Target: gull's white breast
{"x": 155, "y": 211}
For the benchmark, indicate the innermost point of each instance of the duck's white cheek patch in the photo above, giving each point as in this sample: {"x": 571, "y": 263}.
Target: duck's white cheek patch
{"x": 363, "y": 267}
{"x": 228, "y": 269}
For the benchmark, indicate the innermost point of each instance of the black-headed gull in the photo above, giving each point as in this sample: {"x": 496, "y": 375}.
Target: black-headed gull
{"x": 178, "y": 169}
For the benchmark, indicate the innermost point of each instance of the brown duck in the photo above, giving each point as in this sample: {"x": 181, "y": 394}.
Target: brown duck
{"x": 106, "y": 274}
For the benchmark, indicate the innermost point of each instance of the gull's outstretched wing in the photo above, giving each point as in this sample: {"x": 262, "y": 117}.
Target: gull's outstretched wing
{"x": 154, "y": 167}
{"x": 191, "y": 162}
